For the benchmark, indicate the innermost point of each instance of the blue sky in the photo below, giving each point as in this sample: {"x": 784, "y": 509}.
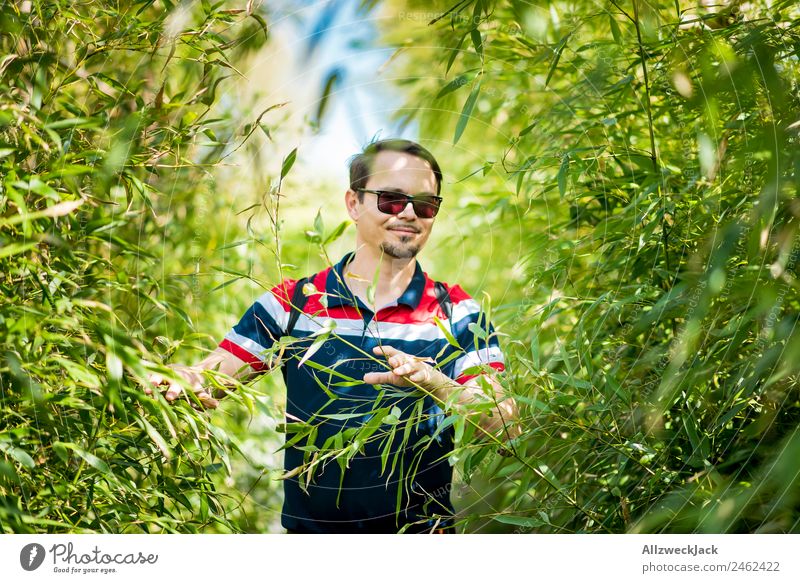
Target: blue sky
{"x": 339, "y": 36}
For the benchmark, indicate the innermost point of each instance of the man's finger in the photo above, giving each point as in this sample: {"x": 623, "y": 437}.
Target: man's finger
{"x": 402, "y": 369}
{"x": 385, "y": 349}
{"x": 397, "y": 360}
{"x": 207, "y": 400}
{"x": 380, "y": 378}
{"x": 174, "y": 391}
{"x": 393, "y": 356}
{"x": 374, "y": 378}
{"x": 420, "y": 376}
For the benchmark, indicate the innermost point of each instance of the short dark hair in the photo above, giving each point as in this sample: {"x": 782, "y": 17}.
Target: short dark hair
{"x": 361, "y": 164}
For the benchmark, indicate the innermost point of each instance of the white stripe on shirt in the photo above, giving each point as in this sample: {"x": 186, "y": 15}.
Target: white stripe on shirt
{"x": 476, "y": 357}
{"x": 250, "y": 346}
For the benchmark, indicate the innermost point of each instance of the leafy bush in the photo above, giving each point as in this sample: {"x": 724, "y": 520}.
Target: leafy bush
{"x": 647, "y": 152}
{"x": 106, "y": 135}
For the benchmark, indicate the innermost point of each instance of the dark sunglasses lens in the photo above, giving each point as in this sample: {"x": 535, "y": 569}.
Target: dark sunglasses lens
{"x": 426, "y": 208}
{"x": 392, "y": 203}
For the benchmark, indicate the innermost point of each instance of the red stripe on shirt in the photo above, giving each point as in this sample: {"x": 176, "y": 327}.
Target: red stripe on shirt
{"x": 242, "y": 354}
{"x": 401, "y": 314}
{"x": 462, "y": 379}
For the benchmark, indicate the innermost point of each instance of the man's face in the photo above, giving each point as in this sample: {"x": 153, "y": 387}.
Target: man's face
{"x": 400, "y": 236}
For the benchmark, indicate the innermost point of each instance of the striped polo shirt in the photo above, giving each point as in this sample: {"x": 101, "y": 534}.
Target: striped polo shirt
{"x": 396, "y": 470}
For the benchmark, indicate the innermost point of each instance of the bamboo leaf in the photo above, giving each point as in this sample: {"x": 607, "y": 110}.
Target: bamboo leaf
{"x": 453, "y": 85}
{"x": 477, "y": 41}
{"x": 466, "y": 112}
{"x": 18, "y": 454}
{"x": 559, "y": 48}
{"x": 288, "y": 162}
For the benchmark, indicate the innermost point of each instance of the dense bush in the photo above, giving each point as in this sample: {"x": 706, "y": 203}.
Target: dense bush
{"x": 623, "y": 185}
{"x": 106, "y": 138}
{"x": 648, "y": 154}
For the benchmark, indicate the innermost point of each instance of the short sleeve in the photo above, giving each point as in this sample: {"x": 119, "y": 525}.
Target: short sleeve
{"x": 476, "y": 337}
{"x": 260, "y": 327}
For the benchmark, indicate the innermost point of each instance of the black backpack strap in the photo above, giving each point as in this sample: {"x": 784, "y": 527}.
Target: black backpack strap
{"x": 298, "y": 301}
{"x": 443, "y": 297}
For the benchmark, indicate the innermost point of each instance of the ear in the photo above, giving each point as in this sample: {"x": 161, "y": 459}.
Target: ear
{"x": 351, "y": 202}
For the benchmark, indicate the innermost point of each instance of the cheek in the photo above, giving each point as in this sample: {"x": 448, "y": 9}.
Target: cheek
{"x": 371, "y": 224}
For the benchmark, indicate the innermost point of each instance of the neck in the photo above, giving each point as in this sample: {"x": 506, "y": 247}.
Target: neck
{"x": 394, "y": 275}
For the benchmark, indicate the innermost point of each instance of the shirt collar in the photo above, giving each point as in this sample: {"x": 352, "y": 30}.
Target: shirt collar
{"x": 338, "y": 294}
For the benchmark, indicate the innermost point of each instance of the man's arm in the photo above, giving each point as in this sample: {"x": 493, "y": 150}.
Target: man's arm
{"x": 239, "y": 355}
{"x": 408, "y": 371}
{"x": 219, "y": 360}
{"x": 505, "y": 414}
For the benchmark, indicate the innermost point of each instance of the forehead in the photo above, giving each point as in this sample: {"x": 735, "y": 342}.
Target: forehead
{"x": 401, "y": 170}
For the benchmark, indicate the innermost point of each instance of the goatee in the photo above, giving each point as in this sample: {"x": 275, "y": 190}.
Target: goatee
{"x": 397, "y": 252}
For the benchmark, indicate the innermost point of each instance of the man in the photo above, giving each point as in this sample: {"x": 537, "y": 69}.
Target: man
{"x": 372, "y": 372}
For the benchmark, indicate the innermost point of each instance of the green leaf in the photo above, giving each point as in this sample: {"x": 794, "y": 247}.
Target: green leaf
{"x": 288, "y": 162}
{"x": 524, "y": 521}
{"x": 525, "y": 131}
{"x": 88, "y": 457}
{"x": 261, "y": 23}
{"x": 455, "y": 84}
{"x": 337, "y": 232}
{"x": 454, "y": 52}
{"x": 16, "y": 248}
{"x": 373, "y": 286}
{"x": 8, "y": 473}
{"x": 319, "y": 227}
{"x": 450, "y": 338}
{"x": 466, "y": 112}
{"x": 537, "y": 363}
{"x": 477, "y": 41}
{"x": 458, "y": 426}
{"x": 57, "y": 210}
{"x": 331, "y": 82}
{"x": 563, "y": 172}
{"x": 477, "y": 331}
{"x": 77, "y": 122}
{"x": 556, "y": 57}
{"x": 18, "y": 454}
{"x": 113, "y": 365}
{"x": 615, "y": 32}
{"x": 321, "y": 337}
{"x": 80, "y": 373}
{"x": 157, "y": 438}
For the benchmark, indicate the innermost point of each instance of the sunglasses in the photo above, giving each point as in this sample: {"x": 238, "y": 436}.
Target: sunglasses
{"x": 392, "y": 203}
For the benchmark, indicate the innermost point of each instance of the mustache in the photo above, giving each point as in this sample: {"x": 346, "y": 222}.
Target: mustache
{"x": 406, "y": 227}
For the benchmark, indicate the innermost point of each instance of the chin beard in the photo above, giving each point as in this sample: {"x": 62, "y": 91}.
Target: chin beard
{"x": 404, "y": 252}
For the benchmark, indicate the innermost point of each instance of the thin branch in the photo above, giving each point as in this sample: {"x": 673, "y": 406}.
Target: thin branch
{"x": 618, "y": 7}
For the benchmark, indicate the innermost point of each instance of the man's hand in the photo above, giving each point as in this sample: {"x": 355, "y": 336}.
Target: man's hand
{"x": 192, "y": 376}
{"x": 219, "y": 360}
{"x": 407, "y": 371}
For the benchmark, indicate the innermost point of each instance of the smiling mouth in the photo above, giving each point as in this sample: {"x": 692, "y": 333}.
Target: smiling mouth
{"x": 406, "y": 231}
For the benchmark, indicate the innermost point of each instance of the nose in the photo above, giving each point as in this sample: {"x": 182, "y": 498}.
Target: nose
{"x": 408, "y": 212}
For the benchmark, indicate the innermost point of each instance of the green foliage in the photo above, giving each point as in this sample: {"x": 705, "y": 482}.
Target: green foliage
{"x": 648, "y": 155}
{"x": 635, "y": 165}
{"x": 106, "y": 135}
